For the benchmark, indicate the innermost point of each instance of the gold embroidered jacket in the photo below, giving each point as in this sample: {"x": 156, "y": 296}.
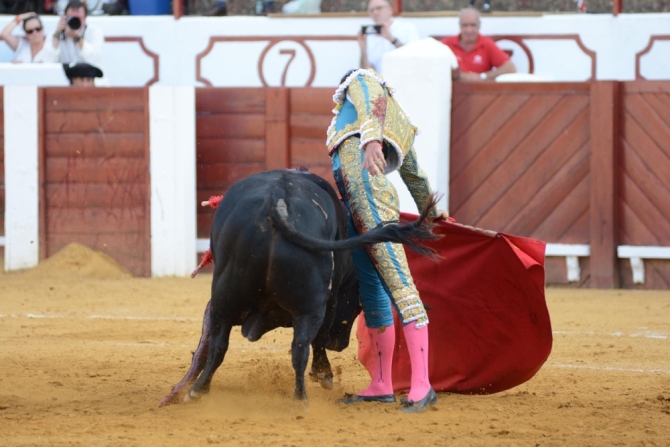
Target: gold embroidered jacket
{"x": 369, "y": 110}
{"x": 365, "y": 107}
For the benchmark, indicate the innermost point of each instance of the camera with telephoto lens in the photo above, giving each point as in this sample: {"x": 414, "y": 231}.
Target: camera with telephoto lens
{"x": 74, "y": 23}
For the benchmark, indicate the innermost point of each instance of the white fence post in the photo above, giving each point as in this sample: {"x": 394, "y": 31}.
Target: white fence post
{"x": 421, "y": 73}
{"x": 21, "y": 177}
{"x": 173, "y": 180}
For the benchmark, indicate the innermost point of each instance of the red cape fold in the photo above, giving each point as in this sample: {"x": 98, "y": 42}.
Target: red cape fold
{"x": 489, "y": 325}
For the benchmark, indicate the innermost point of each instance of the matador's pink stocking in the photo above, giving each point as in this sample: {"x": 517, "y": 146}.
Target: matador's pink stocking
{"x": 383, "y": 344}
{"x": 417, "y": 345}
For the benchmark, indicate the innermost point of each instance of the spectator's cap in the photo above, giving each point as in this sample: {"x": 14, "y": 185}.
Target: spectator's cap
{"x": 81, "y": 70}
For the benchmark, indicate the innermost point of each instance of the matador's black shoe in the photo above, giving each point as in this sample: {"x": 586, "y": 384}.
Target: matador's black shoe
{"x": 410, "y": 406}
{"x": 355, "y": 398}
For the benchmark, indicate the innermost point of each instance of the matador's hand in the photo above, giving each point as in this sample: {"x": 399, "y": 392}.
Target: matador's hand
{"x": 441, "y": 215}
{"x": 374, "y": 160}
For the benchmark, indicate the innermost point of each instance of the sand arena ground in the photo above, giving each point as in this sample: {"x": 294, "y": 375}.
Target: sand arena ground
{"x": 87, "y": 352}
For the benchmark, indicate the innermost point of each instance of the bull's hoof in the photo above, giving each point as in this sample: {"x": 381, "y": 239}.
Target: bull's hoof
{"x": 192, "y": 397}
{"x": 300, "y": 395}
{"x": 299, "y": 406}
{"x": 170, "y": 399}
{"x": 300, "y": 403}
{"x": 324, "y": 379}
{"x": 326, "y": 382}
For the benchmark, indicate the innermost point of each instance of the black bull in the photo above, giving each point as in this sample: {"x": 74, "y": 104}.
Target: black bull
{"x": 281, "y": 259}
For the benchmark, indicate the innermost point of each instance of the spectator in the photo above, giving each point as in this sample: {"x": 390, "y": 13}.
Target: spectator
{"x": 82, "y": 74}
{"x": 487, "y": 5}
{"x": 219, "y": 9}
{"x": 94, "y": 7}
{"x": 302, "y": 7}
{"x": 479, "y": 58}
{"x": 392, "y": 34}
{"x": 115, "y": 8}
{"x": 74, "y": 39}
{"x": 29, "y": 48}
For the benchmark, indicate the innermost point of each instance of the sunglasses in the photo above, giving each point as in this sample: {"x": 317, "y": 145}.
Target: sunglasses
{"x": 30, "y": 31}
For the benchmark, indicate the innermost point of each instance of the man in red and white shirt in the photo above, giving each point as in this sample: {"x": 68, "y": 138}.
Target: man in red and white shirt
{"x": 479, "y": 58}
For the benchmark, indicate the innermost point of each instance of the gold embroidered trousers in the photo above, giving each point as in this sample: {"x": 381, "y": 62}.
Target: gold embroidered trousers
{"x": 383, "y": 272}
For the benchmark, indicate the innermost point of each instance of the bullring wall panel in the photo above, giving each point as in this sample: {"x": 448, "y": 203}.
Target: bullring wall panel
{"x": 241, "y": 131}
{"x": 310, "y": 116}
{"x": 96, "y": 172}
{"x": 644, "y": 202}
{"x": 520, "y": 159}
{"x": 230, "y": 142}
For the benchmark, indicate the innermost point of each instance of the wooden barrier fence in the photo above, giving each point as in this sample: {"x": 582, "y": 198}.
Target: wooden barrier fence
{"x": 582, "y": 164}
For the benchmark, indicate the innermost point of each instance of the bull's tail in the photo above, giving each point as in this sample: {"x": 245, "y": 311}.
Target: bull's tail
{"x": 409, "y": 234}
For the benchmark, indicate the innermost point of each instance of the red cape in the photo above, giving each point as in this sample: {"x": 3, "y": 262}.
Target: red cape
{"x": 489, "y": 325}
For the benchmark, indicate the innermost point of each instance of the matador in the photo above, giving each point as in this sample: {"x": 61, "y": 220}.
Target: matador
{"x": 371, "y": 136}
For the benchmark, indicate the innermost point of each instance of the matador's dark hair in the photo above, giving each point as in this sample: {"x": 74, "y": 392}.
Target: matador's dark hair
{"x": 346, "y": 75}
{"x": 344, "y": 78}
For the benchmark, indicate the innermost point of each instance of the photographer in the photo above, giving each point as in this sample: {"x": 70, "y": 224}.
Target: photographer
{"x": 387, "y": 34}
{"x": 74, "y": 39}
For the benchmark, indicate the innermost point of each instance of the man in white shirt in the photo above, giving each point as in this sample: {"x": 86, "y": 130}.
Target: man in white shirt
{"x": 75, "y": 40}
{"x": 393, "y": 33}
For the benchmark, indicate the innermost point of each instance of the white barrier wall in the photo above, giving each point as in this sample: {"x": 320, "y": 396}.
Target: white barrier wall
{"x": 21, "y": 177}
{"x": 256, "y": 51}
{"x": 421, "y": 74}
{"x": 173, "y": 184}
{"x": 51, "y": 75}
